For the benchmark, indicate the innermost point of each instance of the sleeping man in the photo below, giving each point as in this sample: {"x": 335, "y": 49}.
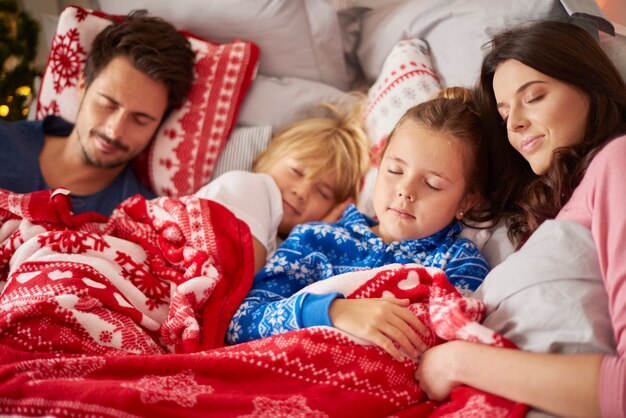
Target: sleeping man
{"x": 136, "y": 73}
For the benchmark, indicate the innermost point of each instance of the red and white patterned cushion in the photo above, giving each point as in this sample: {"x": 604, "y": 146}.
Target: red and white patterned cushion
{"x": 183, "y": 155}
{"x": 406, "y": 79}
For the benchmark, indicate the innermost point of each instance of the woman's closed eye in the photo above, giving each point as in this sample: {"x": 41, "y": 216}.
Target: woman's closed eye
{"x": 297, "y": 171}
{"x": 534, "y": 99}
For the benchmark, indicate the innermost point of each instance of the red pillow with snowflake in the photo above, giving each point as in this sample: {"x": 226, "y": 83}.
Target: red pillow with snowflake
{"x": 184, "y": 153}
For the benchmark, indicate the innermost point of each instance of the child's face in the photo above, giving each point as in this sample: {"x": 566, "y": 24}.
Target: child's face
{"x": 420, "y": 186}
{"x": 305, "y": 199}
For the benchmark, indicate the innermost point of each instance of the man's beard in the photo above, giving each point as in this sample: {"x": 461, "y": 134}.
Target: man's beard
{"x": 89, "y": 159}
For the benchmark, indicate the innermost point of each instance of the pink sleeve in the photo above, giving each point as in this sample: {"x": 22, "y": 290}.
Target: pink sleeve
{"x": 600, "y": 202}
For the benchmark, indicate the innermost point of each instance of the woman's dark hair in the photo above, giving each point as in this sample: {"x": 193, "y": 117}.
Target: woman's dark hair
{"x": 153, "y": 46}
{"x": 569, "y": 54}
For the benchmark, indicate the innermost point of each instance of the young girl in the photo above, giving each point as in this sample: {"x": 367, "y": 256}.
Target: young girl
{"x": 308, "y": 169}
{"x": 429, "y": 179}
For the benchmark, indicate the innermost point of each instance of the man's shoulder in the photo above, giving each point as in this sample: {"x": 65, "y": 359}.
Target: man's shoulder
{"x": 34, "y": 130}
{"x": 14, "y": 131}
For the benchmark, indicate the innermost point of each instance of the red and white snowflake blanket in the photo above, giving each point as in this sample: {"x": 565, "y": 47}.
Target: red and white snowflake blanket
{"x": 125, "y": 317}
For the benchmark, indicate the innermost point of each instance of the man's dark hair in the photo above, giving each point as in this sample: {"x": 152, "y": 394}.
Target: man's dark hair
{"x": 154, "y": 47}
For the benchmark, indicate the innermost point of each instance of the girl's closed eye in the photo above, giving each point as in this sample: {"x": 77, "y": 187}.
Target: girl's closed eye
{"x": 432, "y": 185}
{"x": 393, "y": 169}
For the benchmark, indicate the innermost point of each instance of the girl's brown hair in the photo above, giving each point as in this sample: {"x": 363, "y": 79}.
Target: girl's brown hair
{"x": 453, "y": 112}
{"x": 567, "y": 53}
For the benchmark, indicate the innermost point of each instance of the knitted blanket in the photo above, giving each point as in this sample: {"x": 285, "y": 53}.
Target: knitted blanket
{"x": 125, "y": 317}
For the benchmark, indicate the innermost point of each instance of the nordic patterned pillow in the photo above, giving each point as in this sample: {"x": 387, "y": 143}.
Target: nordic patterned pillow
{"x": 183, "y": 154}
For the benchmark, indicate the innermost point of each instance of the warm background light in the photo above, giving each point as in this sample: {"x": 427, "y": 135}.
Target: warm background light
{"x": 615, "y": 10}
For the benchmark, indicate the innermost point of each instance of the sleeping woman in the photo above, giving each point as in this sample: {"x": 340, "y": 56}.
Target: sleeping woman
{"x": 429, "y": 180}
{"x": 558, "y": 107}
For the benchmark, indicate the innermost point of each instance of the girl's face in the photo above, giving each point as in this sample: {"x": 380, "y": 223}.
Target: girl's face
{"x": 541, "y": 113}
{"x": 305, "y": 198}
{"x": 420, "y": 187}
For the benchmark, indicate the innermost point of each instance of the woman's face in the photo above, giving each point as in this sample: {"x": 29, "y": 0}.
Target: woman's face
{"x": 541, "y": 113}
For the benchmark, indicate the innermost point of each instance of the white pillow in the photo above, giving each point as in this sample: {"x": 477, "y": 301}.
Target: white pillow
{"x": 455, "y": 30}
{"x": 615, "y": 48}
{"x": 549, "y": 296}
{"x": 296, "y": 38}
{"x": 279, "y": 102}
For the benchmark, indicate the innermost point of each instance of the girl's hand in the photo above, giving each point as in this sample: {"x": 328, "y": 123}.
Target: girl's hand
{"x": 436, "y": 370}
{"x": 335, "y": 213}
{"x": 384, "y": 322}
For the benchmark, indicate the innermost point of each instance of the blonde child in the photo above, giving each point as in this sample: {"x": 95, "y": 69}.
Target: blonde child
{"x": 309, "y": 172}
{"x": 429, "y": 179}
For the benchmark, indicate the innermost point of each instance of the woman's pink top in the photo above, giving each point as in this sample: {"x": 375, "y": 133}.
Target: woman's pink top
{"x": 599, "y": 203}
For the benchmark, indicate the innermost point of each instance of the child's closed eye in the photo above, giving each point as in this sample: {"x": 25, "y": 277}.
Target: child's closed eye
{"x": 326, "y": 195}
{"x": 432, "y": 186}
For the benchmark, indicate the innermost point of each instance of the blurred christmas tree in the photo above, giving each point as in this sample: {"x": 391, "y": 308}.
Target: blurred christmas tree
{"x": 19, "y": 35}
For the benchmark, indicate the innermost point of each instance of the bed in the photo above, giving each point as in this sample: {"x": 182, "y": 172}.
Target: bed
{"x": 125, "y": 316}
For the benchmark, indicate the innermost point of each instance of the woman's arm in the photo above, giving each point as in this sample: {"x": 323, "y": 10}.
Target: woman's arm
{"x": 561, "y": 384}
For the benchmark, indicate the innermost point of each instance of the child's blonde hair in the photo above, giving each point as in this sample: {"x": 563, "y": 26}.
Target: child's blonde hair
{"x": 334, "y": 142}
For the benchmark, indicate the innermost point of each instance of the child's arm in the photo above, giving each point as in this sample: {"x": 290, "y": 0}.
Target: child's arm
{"x": 273, "y": 306}
{"x": 260, "y": 254}
{"x": 384, "y": 322}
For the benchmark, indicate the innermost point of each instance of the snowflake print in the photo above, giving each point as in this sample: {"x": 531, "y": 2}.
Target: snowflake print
{"x": 51, "y": 109}
{"x": 321, "y": 229}
{"x": 81, "y": 14}
{"x": 426, "y": 86}
{"x": 181, "y": 389}
{"x": 277, "y": 264}
{"x": 478, "y": 407}
{"x": 409, "y": 94}
{"x": 106, "y": 337}
{"x": 396, "y": 102}
{"x": 66, "y": 369}
{"x": 66, "y": 60}
{"x": 156, "y": 290}
{"x": 72, "y": 242}
{"x": 292, "y": 407}
{"x": 341, "y": 235}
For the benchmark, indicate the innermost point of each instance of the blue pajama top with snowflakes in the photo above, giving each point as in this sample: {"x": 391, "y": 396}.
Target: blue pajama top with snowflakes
{"x": 317, "y": 251}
